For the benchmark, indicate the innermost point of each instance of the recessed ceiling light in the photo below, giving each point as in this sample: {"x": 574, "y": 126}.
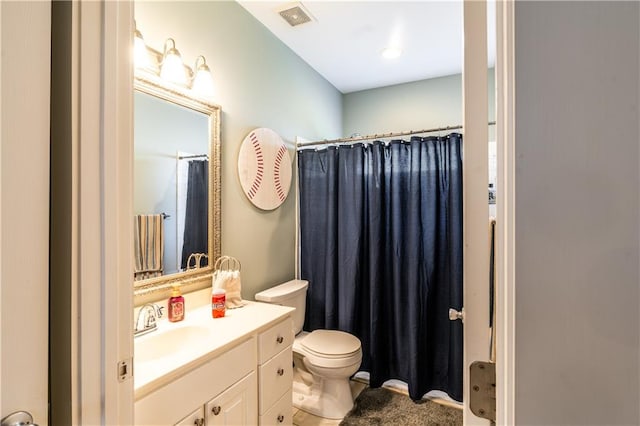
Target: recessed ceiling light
{"x": 391, "y": 52}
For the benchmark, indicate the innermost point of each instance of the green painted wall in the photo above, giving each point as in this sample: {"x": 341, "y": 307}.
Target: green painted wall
{"x": 424, "y": 104}
{"x": 260, "y": 83}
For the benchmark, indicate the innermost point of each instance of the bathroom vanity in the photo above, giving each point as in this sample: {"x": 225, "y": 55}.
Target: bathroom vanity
{"x": 225, "y": 371}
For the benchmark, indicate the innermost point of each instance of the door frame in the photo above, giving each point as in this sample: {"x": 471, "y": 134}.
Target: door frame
{"x": 476, "y": 262}
{"x": 475, "y": 196}
{"x": 505, "y": 210}
{"x": 115, "y": 170}
{"x": 117, "y": 220}
{"x": 101, "y": 228}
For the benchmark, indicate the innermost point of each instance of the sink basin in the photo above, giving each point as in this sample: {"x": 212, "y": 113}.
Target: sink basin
{"x": 171, "y": 342}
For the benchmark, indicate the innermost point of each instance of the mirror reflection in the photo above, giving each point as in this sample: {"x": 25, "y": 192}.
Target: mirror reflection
{"x": 170, "y": 184}
{"x": 172, "y": 148}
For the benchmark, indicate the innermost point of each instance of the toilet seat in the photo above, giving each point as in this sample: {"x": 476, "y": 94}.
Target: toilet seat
{"x": 329, "y": 348}
{"x": 331, "y": 343}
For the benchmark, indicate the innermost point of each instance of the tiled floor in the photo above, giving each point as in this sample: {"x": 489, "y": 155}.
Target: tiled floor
{"x": 302, "y": 418}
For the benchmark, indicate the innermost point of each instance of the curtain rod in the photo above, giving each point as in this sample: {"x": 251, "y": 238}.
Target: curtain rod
{"x": 383, "y": 135}
{"x": 184, "y": 157}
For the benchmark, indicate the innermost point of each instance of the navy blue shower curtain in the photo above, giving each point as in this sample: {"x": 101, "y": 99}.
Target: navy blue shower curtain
{"x": 196, "y": 231}
{"x": 381, "y": 246}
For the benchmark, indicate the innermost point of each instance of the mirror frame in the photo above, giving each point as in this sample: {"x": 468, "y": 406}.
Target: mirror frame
{"x": 160, "y": 287}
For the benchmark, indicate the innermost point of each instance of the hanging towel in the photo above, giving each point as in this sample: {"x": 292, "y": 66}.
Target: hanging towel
{"x": 148, "y": 251}
{"x": 229, "y": 280}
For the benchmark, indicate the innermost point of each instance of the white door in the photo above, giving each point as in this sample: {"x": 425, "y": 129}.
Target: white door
{"x": 25, "y": 40}
{"x": 475, "y": 197}
{"x": 235, "y": 406}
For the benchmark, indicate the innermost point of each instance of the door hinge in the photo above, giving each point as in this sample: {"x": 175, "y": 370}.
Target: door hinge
{"x": 482, "y": 384}
{"x": 125, "y": 369}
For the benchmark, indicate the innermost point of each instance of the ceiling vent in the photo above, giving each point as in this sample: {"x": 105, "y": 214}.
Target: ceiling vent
{"x": 295, "y": 14}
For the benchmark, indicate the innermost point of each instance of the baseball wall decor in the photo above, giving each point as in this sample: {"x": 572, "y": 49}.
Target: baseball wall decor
{"x": 264, "y": 167}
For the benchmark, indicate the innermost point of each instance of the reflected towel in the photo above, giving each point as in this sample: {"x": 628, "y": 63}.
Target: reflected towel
{"x": 231, "y": 283}
{"x": 148, "y": 246}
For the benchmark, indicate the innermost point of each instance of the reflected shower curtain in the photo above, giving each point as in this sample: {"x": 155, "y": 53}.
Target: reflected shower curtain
{"x": 381, "y": 246}
{"x": 196, "y": 212}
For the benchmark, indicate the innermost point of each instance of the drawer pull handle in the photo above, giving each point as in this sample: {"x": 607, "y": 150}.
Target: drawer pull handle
{"x": 216, "y": 410}
{"x": 199, "y": 422}
{"x": 280, "y": 418}
{"x": 280, "y": 339}
{"x": 280, "y": 372}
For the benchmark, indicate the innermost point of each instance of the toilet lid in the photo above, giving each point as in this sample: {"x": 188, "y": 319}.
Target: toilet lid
{"x": 330, "y": 343}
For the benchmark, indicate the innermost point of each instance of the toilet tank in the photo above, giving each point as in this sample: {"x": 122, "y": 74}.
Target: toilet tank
{"x": 292, "y": 293}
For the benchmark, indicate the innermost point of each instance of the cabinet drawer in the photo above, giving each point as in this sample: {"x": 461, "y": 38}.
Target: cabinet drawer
{"x": 274, "y": 340}
{"x": 276, "y": 377}
{"x": 281, "y": 413}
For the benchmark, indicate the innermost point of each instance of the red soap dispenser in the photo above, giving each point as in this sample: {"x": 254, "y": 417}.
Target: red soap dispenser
{"x": 176, "y": 306}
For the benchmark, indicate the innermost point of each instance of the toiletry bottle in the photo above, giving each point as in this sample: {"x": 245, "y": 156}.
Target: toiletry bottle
{"x": 218, "y": 300}
{"x": 176, "y": 306}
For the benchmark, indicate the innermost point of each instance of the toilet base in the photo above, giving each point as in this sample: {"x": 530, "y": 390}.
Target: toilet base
{"x": 327, "y": 398}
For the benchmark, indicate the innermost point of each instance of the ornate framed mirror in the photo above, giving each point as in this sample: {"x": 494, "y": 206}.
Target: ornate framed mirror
{"x": 177, "y": 199}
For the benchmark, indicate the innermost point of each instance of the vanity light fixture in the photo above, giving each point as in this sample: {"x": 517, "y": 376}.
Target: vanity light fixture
{"x": 172, "y": 69}
{"x": 151, "y": 64}
{"x": 203, "y": 81}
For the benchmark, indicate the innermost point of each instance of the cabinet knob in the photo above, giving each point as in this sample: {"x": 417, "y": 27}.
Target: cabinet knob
{"x": 216, "y": 410}
{"x": 280, "y": 418}
{"x": 280, "y": 339}
{"x": 199, "y": 422}
{"x": 280, "y": 371}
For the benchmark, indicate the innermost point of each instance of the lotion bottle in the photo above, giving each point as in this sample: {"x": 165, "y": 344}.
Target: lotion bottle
{"x": 176, "y": 306}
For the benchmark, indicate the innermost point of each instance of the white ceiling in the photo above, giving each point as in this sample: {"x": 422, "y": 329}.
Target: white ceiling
{"x": 346, "y": 38}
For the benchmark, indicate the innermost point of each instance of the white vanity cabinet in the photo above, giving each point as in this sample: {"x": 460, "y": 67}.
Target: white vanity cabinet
{"x": 182, "y": 401}
{"x": 275, "y": 374}
{"x": 244, "y": 378}
{"x": 235, "y": 406}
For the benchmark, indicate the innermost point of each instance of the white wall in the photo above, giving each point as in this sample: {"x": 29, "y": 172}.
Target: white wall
{"x": 260, "y": 83}
{"x": 577, "y": 223}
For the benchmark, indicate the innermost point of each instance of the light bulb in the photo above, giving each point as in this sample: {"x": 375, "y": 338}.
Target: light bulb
{"x": 203, "y": 81}
{"x": 141, "y": 55}
{"x": 172, "y": 68}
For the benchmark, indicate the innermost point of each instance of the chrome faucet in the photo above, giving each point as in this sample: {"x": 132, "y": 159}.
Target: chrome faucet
{"x": 148, "y": 313}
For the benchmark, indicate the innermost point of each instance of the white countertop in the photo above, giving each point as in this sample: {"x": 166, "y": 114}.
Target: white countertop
{"x": 236, "y": 326}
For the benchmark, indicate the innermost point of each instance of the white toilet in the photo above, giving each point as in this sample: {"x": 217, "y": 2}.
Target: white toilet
{"x": 323, "y": 359}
